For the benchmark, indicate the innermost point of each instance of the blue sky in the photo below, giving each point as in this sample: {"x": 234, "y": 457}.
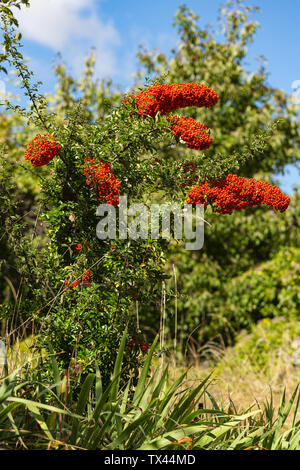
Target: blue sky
{"x": 116, "y": 28}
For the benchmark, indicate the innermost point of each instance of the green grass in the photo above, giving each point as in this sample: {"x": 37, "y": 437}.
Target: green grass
{"x": 155, "y": 414}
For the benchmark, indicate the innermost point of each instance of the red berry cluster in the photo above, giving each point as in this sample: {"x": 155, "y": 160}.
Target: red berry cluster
{"x": 237, "y": 193}
{"x": 135, "y": 345}
{"x": 42, "y": 149}
{"x": 85, "y": 278}
{"x": 102, "y": 179}
{"x": 79, "y": 246}
{"x": 72, "y": 285}
{"x": 191, "y": 132}
{"x": 167, "y": 98}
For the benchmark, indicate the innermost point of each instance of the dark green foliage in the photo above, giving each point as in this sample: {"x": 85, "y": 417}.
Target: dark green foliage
{"x": 269, "y": 290}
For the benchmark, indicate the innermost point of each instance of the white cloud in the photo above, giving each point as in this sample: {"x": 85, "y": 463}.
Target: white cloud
{"x": 71, "y": 27}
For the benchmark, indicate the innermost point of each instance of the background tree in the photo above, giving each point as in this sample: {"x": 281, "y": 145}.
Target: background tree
{"x": 238, "y": 244}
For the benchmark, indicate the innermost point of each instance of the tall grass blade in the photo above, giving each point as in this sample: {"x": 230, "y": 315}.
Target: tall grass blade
{"x": 118, "y": 368}
{"x": 144, "y": 374}
{"x": 81, "y": 405}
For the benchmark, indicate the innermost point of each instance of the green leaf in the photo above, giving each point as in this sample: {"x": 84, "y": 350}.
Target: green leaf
{"x": 142, "y": 380}
{"x": 118, "y": 368}
{"x": 81, "y": 405}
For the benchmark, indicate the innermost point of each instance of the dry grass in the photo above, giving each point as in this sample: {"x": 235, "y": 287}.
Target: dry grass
{"x": 242, "y": 385}
{"x": 237, "y": 384}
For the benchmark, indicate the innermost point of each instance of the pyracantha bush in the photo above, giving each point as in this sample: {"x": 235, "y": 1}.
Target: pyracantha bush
{"x": 99, "y": 287}
{"x": 84, "y": 315}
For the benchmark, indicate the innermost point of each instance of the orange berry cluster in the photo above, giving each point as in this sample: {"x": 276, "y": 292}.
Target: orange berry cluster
{"x": 191, "y": 132}
{"x": 237, "y": 193}
{"x": 102, "y": 179}
{"x": 167, "y": 98}
{"x": 42, "y": 149}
